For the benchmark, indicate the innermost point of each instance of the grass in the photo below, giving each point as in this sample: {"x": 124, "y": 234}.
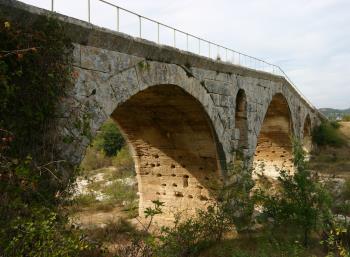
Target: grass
{"x": 263, "y": 244}
{"x": 331, "y": 160}
{"x": 85, "y": 200}
{"x": 112, "y": 231}
{"x": 117, "y": 193}
{"x": 120, "y": 193}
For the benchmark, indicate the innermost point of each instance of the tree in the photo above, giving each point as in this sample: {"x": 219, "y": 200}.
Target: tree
{"x": 300, "y": 200}
{"x": 109, "y": 139}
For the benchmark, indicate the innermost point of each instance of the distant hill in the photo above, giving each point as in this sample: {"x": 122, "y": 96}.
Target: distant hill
{"x": 334, "y": 113}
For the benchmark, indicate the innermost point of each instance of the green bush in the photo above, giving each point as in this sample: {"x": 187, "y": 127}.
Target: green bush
{"x": 95, "y": 159}
{"x": 107, "y": 149}
{"x": 124, "y": 162}
{"x": 346, "y": 118}
{"x": 35, "y": 61}
{"x": 301, "y": 200}
{"x": 346, "y": 189}
{"x": 109, "y": 139}
{"x": 328, "y": 134}
{"x": 272, "y": 247}
{"x": 337, "y": 239}
{"x": 186, "y": 238}
{"x": 43, "y": 234}
{"x": 120, "y": 193}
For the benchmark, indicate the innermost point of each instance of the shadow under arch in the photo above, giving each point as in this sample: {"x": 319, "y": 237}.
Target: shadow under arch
{"x": 274, "y": 150}
{"x": 307, "y": 138}
{"x": 241, "y": 124}
{"x": 175, "y": 149}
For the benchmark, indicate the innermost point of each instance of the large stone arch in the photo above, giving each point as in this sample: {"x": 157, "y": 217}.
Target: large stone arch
{"x": 274, "y": 145}
{"x": 169, "y": 120}
{"x": 96, "y": 94}
{"x": 174, "y": 149}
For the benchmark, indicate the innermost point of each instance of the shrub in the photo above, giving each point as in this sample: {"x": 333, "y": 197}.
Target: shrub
{"x": 346, "y": 189}
{"x": 328, "y": 134}
{"x": 109, "y": 139}
{"x": 143, "y": 244}
{"x": 334, "y": 124}
{"x": 119, "y": 192}
{"x": 42, "y": 234}
{"x": 124, "y": 162}
{"x": 35, "y": 61}
{"x": 186, "y": 238}
{"x": 346, "y": 118}
{"x": 95, "y": 159}
{"x": 337, "y": 239}
{"x": 300, "y": 201}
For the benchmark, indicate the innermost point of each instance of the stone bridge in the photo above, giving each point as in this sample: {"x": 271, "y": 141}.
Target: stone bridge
{"x": 183, "y": 115}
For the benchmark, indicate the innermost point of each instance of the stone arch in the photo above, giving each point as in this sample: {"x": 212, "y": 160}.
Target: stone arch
{"x": 174, "y": 148}
{"x": 307, "y": 138}
{"x": 241, "y": 123}
{"x": 98, "y": 94}
{"x": 274, "y": 145}
{"x": 148, "y": 84}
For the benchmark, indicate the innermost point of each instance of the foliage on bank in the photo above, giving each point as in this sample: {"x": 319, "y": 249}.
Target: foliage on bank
{"x": 327, "y": 134}
{"x": 35, "y": 74}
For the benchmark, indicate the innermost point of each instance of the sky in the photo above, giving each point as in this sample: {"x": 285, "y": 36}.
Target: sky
{"x": 308, "y": 39}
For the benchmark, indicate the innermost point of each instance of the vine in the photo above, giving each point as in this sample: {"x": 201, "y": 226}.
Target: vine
{"x": 35, "y": 75}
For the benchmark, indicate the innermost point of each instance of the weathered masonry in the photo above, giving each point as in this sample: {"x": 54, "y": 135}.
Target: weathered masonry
{"x": 183, "y": 115}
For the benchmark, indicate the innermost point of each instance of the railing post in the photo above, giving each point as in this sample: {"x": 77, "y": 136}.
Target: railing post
{"x": 174, "y": 37}
{"x": 140, "y": 29}
{"x": 226, "y": 54}
{"x": 158, "y": 32}
{"x": 89, "y": 11}
{"x": 118, "y": 19}
{"x": 187, "y": 41}
{"x": 209, "y": 48}
{"x": 218, "y": 53}
{"x": 199, "y": 46}
{"x": 52, "y": 5}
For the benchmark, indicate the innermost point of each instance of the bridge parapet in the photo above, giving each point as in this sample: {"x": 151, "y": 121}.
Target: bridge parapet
{"x": 209, "y": 52}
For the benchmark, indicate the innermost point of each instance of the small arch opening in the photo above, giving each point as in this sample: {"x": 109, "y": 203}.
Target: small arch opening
{"x": 241, "y": 132}
{"x": 307, "y": 138}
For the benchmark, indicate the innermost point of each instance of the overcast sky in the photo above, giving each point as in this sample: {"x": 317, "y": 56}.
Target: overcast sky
{"x": 309, "y": 39}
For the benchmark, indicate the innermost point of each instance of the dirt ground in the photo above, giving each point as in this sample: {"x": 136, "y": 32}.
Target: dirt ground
{"x": 345, "y": 129}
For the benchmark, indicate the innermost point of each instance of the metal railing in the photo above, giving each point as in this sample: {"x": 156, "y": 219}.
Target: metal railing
{"x": 204, "y": 47}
